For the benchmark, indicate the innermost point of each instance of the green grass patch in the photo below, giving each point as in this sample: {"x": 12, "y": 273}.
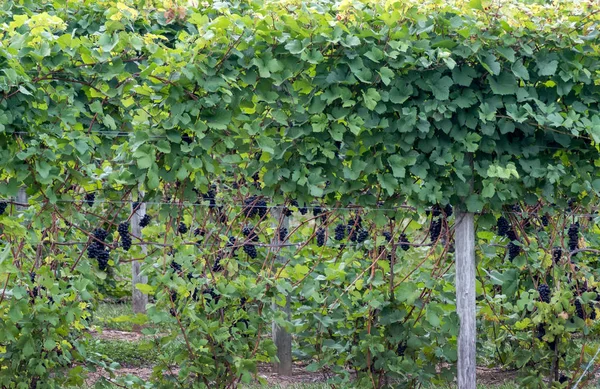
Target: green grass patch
{"x": 126, "y": 353}
{"x": 117, "y": 317}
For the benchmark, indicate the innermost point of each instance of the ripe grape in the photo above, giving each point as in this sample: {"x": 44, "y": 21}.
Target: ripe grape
{"x": 556, "y": 254}
{"x": 388, "y": 236}
{"x": 145, "y": 220}
{"x": 175, "y": 266}
{"x": 320, "y": 237}
{"x": 123, "y": 230}
{"x": 579, "y": 309}
{"x": 544, "y": 291}
{"x": 362, "y": 235}
{"x": 283, "y": 234}
{"x": 541, "y": 331}
{"x": 593, "y": 311}
{"x": 103, "y": 256}
{"x": 340, "y": 232}
{"x": 435, "y": 228}
{"x": 503, "y": 226}
{"x": 513, "y": 250}
{"x": 250, "y": 249}
{"x": 210, "y": 197}
{"x": 89, "y": 199}
{"x": 182, "y": 228}
{"x": 448, "y": 210}
{"x": 401, "y": 349}
{"x": 217, "y": 267}
{"x": 404, "y": 243}
{"x": 573, "y": 236}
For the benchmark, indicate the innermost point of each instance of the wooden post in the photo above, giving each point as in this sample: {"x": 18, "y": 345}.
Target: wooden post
{"x": 139, "y": 300}
{"x": 21, "y": 198}
{"x": 465, "y": 299}
{"x": 281, "y": 338}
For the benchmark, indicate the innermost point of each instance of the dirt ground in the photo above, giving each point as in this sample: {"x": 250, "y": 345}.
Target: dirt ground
{"x": 486, "y": 376}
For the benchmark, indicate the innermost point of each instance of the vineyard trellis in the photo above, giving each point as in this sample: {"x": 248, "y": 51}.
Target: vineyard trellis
{"x": 363, "y": 120}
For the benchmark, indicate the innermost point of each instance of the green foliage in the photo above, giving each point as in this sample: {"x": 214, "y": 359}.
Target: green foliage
{"x": 377, "y": 105}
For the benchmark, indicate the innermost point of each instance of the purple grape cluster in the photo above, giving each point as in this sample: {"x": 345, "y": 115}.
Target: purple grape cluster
{"x": 145, "y": 220}
{"x": 320, "y": 237}
{"x": 123, "y": 230}
{"x": 544, "y": 291}
{"x": 90, "y": 198}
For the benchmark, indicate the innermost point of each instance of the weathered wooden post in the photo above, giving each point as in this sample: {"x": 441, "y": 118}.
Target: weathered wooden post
{"x": 22, "y": 198}
{"x": 139, "y": 299}
{"x": 281, "y": 338}
{"x": 464, "y": 235}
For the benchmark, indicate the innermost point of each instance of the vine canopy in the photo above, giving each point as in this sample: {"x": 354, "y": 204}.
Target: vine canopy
{"x": 353, "y": 102}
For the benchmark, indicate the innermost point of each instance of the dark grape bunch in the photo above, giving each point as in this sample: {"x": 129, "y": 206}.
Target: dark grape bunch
{"x": 436, "y": 210}
{"x": 90, "y": 198}
{"x": 544, "y": 291}
{"x": 283, "y": 232}
{"x": 135, "y": 205}
{"x": 231, "y": 245}
{"x": 182, "y": 228}
{"x": 302, "y": 210}
{"x": 175, "y": 266}
{"x": 210, "y": 294}
{"x": 340, "y": 232}
{"x": 545, "y": 220}
{"x": 199, "y": 231}
{"x": 3, "y": 205}
{"x": 287, "y": 212}
{"x": 96, "y": 249}
{"x": 254, "y": 206}
{"x": 320, "y": 237}
{"x": 556, "y": 254}
{"x": 353, "y": 227}
{"x": 217, "y": 267}
{"x": 404, "y": 243}
{"x": 435, "y": 228}
{"x": 540, "y": 332}
{"x": 448, "y": 210}
{"x": 593, "y": 311}
{"x": 503, "y": 226}
{"x": 387, "y": 235}
{"x": 123, "y": 230}
{"x": 145, "y": 220}
{"x": 362, "y": 235}
{"x": 573, "y": 236}
{"x": 249, "y": 248}
{"x": 187, "y": 138}
{"x": 513, "y": 250}
{"x": 248, "y": 232}
{"x": 210, "y": 197}
{"x": 563, "y": 378}
{"x": 401, "y": 349}
{"x": 512, "y": 235}
{"x": 579, "y": 309}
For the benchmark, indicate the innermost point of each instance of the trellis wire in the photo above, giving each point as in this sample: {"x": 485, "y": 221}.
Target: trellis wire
{"x": 586, "y": 369}
{"x": 277, "y": 206}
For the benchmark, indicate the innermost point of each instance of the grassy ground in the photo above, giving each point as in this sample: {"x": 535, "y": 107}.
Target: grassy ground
{"x": 114, "y": 316}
